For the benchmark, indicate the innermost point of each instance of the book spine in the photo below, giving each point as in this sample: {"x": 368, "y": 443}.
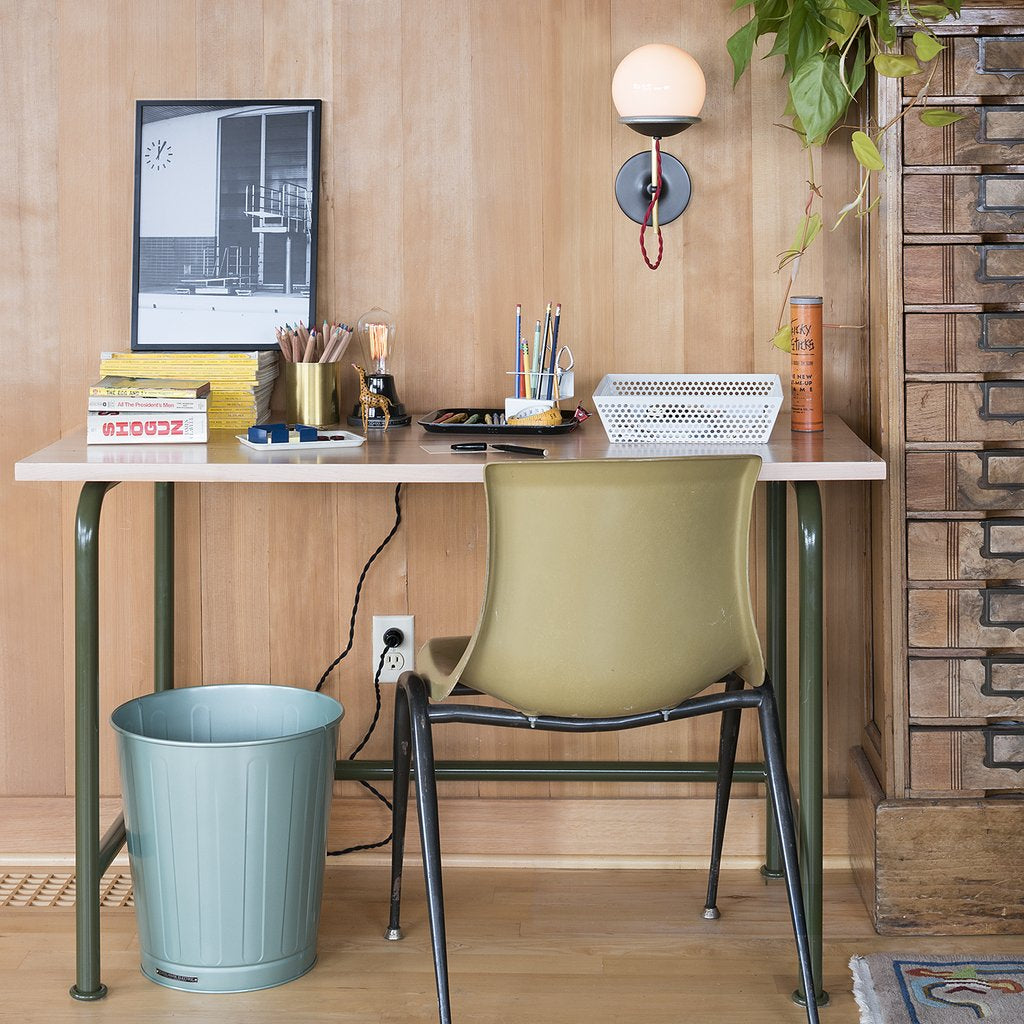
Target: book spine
{"x": 101, "y": 403}
{"x": 99, "y": 391}
{"x": 146, "y": 428}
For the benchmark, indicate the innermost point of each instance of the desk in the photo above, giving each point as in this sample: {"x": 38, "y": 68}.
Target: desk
{"x": 399, "y": 457}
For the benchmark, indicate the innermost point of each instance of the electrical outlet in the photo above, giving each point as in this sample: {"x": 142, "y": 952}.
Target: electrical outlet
{"x": 398, "y": 659}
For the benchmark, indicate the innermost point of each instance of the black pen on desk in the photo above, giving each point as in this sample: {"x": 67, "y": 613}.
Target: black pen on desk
{"x": 471, "y": 446}
{"x": 519, "y": 449}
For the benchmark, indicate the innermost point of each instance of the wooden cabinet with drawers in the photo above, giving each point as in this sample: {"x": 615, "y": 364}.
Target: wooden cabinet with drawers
{"x": 940, "y": 772}
{"x": 954, "y": 420}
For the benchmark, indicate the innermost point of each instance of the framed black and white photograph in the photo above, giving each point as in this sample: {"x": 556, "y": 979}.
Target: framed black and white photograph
{"x": 225, "y": 222}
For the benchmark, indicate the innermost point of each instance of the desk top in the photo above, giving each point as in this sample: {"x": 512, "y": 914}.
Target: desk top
{"x": 400, "y": 457}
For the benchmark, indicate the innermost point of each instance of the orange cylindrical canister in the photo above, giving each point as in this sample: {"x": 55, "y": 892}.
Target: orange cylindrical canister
{"x": 805, "y": 360}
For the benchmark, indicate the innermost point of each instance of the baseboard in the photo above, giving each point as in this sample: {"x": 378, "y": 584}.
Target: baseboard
{"x": 532, "y": 832}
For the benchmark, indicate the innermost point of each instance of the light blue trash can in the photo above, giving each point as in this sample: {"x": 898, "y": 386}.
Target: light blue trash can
{"x": 227, "y": 793}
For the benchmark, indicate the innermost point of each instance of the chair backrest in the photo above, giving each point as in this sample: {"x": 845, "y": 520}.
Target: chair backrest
{"x": 615, "y": 586}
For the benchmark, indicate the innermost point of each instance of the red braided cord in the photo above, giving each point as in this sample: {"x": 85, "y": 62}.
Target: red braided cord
{"x": 647, "y": 215}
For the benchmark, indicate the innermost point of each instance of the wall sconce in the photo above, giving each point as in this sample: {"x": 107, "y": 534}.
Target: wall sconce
{"x": 658, "y": 91}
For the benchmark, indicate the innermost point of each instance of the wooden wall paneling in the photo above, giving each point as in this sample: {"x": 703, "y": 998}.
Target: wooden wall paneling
{"x": 846, "y": 506}
{"x": 96, "y": 106}
{"x": 517, "y": 177}
{"x": 31, "y": 585}
{"x": 229, "y": 49}
{"x": 442, "y": 298}
{"x": 469, "y": 156}
{"x": 236, "y": 586}
{"x": 363, "y": 249}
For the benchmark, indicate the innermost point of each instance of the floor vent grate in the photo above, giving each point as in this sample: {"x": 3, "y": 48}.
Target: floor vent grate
{"x": 46, "y": 889}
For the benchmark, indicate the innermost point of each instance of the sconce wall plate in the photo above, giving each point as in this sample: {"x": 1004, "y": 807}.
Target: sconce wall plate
{"x": 633, "y": 188}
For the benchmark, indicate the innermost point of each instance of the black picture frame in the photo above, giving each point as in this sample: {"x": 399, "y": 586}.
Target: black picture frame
{"x": 225, "y": 225}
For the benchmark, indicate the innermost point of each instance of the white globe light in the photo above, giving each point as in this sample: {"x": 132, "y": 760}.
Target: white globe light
{"x": 658, "y": 80}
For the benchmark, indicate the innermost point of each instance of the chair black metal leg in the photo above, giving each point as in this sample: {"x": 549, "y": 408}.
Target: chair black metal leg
{"x": 430, "y": 837}
{"x": 402, "y": 754}
{"x": 778, "y": 786}
{"x": 726, "y": 763}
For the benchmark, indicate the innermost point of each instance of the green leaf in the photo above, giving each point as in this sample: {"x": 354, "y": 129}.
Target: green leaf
{"x": 809, "y": 40}
{"x": 935, "y": 118}
{"x": 819, "y": 95}
{"x": 783, "y": 338}
{"x": 892, "y": 65}
{"x": 810, "y": 228}
{"x": 883, "y": 26}
{"x": 936, "y": 12}
{"x": 855, "y": 78}
{"x": 866, "y": 152}
{"x": 926, "y": 46}
{"x": 740, "y": 46}
{"x": 842, "y": 24}
{"x": 862, "y": 7}
{"x": 781, "y": 44}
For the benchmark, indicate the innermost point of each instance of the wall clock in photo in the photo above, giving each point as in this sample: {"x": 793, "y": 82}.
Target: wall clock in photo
{"x": 158, "y": 154}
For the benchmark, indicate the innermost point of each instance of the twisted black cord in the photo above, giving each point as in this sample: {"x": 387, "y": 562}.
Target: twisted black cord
{"x": 362, "y": 743}
{"x": 359, "y": 586}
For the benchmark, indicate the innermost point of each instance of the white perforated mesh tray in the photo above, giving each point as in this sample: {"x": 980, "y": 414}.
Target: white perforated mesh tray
{"x": 682, "y": 408}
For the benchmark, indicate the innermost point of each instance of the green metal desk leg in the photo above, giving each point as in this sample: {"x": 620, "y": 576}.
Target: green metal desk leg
{"x": 775, "y": 592}
{"x": 88, "y": 867}
{"x": 163, "y": 586}
{"x": 809, "y": 528}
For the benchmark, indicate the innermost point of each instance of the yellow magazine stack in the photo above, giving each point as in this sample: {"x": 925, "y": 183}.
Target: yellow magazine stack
{"x": 240, "y": 382}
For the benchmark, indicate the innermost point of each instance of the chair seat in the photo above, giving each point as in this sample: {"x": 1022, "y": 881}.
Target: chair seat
{"x": 436, "y": 663}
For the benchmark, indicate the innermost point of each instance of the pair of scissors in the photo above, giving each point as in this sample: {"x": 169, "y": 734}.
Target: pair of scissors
{"x": 558, "y": 360}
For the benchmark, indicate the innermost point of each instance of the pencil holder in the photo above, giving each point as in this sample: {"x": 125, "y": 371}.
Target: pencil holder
{"x": 312, "y": 393}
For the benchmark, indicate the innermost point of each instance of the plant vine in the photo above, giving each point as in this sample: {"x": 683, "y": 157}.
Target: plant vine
{"x": 827, "y": 47}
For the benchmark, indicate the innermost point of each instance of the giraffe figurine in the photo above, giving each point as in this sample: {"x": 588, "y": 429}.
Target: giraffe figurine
{"x": 370, "y": 400}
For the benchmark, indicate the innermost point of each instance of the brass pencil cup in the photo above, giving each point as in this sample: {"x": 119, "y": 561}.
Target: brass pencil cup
{"x": 312, "y": 393}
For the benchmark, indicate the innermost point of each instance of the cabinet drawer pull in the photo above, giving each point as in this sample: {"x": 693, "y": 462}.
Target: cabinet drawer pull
{"x": 1001, "y": 750}
{"x": 1001, "y": 126}
{"x": 992, "y": 193}
{"x": 995, "y": 56}
{"x": 1003, "y": 688}
{"x": 987, "y": 549}
{"x": 989, "y": 258}
{"x": 990, "y": 613}
{"x": 1001, "y": 389}
{"x": 988, "y": 458}
{"x": 990, "y": 323}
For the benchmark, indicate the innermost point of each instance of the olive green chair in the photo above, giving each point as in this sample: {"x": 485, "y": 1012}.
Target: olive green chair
{"x": 616, "y": 592}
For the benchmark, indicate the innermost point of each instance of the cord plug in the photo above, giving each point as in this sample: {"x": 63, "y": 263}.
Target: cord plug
{"x": 393, "y": 637}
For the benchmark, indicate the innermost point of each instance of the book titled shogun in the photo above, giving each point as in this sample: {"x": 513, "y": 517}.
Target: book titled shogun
{"x": 146, "y": 428}
{"x": 149, "y": 387}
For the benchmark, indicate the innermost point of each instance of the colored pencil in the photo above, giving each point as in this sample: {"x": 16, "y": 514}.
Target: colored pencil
{"x": 554, "y": 350}
{"x": 518, "y": 362}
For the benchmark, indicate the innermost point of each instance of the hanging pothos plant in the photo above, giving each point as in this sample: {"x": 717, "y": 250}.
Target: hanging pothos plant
{"x": 827, "y": 47}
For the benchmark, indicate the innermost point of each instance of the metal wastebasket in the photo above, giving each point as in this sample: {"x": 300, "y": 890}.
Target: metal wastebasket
{"x": 227, "y": 793}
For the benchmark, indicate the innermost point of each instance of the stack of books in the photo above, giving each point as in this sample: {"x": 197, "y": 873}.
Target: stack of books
{"x": 240, "y": 382}
{"x": 147, "y": 410}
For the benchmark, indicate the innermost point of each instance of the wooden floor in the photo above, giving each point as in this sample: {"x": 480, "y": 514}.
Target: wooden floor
{"x": 526, "y": 946}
